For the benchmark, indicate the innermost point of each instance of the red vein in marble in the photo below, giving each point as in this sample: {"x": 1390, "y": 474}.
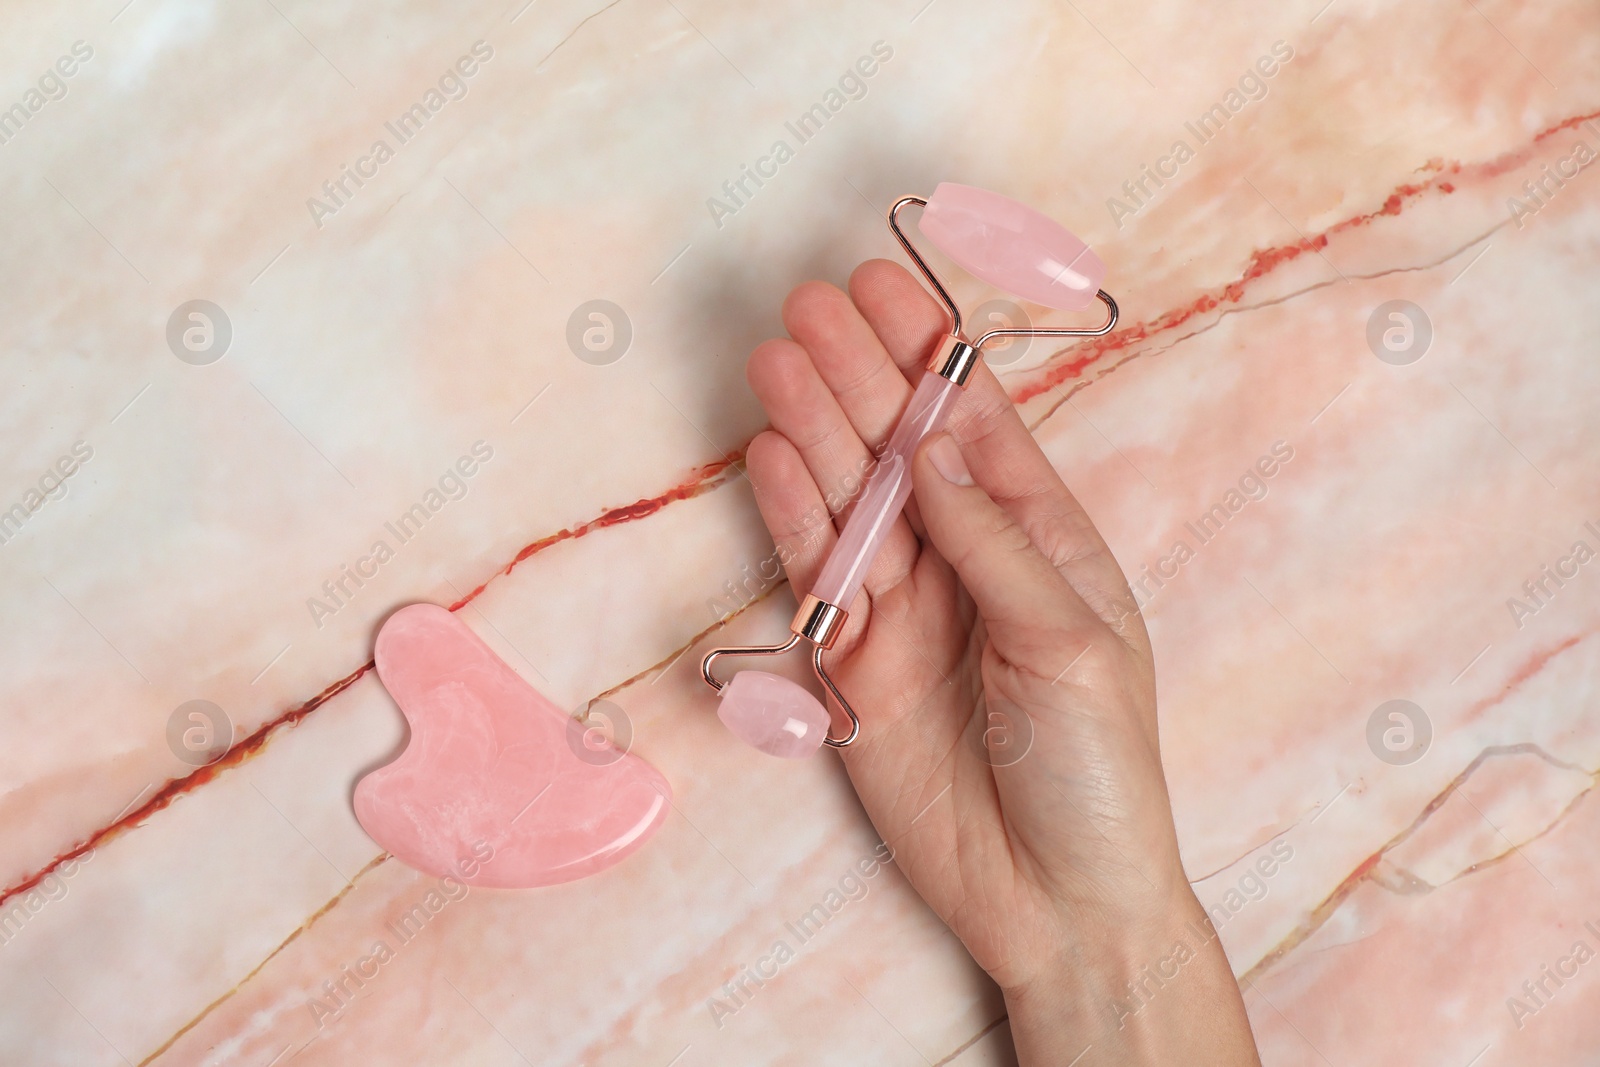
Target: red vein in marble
{"x": 1265, "y": 261}
{"x": 179, "y": 787}
{"x": 702, "y": 480}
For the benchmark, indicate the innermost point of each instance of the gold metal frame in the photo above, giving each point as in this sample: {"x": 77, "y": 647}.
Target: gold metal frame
{"x": 818, "y": 622}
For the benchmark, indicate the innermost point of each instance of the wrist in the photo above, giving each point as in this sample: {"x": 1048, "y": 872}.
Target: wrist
{"x": 1158, "y": 990}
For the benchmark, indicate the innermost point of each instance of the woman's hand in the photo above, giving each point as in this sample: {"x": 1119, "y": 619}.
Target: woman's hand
{"x": 1008, "y": 750}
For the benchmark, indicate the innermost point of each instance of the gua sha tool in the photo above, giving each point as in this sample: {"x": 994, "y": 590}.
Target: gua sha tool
{"x": 489, "y": 783}
{"x": 999, "y": 241}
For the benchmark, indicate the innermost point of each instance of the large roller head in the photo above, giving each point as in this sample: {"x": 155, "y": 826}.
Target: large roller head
{"x": 1012, "y": 247}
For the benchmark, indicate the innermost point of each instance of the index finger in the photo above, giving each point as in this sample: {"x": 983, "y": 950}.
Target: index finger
{"x": 1003, "y": 456}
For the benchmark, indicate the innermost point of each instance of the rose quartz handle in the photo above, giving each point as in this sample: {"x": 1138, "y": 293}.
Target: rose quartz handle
{"x": 885, "y": 493}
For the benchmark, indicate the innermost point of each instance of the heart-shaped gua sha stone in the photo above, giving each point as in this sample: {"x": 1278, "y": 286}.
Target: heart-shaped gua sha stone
{"x": 489, "y": 789}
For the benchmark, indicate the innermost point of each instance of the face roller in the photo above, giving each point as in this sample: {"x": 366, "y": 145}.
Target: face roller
{"x": 1010, "y": 246}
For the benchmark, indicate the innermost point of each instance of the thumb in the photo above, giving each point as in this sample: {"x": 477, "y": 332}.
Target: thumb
{"x": 1026, "y": 603}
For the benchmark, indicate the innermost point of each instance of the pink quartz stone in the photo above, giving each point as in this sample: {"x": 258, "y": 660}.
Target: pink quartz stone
{"x": 1012, "y": 247}
{"x": 769, "y": 712}
{"x": 885, "y": 493}
{"x": 489, "y": 788}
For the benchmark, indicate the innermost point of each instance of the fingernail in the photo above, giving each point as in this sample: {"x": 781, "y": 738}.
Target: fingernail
{"x": 946, "y": 459}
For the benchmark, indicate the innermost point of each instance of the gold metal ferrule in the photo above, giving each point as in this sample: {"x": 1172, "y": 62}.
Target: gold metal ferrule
{"x": 819, "y": 622}
{"x": 953, "y": 359}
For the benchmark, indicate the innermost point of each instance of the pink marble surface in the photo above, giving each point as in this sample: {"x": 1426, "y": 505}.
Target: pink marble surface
{"x": 232, "y": 915}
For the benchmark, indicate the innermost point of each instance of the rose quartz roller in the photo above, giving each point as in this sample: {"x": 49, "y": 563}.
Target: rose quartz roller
{"x": 1010, "y": 246}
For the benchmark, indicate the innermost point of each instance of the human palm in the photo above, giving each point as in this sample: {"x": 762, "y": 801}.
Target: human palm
{"x": 1008, "y": 750}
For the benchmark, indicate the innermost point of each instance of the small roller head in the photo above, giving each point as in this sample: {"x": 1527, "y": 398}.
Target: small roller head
{"x": 769, "y": 712}
{"x": 1012, "y": 247}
